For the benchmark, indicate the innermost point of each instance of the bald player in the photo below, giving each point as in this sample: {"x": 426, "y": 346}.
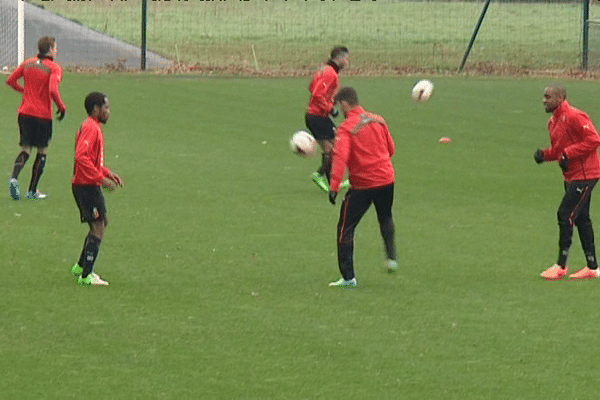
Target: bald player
{"x": 574, "y": 144}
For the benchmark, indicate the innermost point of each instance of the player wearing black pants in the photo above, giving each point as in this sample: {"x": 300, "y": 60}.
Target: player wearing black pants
{"x": 355, "y": 205}
{"x": 363, "y": 146}
{"x": 575, "y": 210}
{"x": 574, "y": 144}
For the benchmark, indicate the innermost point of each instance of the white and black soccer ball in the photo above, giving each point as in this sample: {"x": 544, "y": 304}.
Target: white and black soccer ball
{"x": 303, "y": 144}
{"x": 422, "y": 91}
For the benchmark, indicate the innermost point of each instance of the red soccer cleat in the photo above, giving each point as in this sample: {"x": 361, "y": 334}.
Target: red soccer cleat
{"x": 586, "y": 273}
{"x": 555, "y": 272}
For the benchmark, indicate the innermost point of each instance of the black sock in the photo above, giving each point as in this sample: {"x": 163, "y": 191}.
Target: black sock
{"x": 325, "y": 167}
{"x": 91, "y": 247}
{"x": 36, "y": 172}
{"x": 19, "y": 164}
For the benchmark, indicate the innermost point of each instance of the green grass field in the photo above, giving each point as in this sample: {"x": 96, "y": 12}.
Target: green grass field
{"x": 220, "y": 248}
{"x": 384, "y": 35}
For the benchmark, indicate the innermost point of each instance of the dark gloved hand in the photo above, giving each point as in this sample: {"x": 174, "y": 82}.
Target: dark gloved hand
{"x": 563, "y": 161}
{"x": 334, "y": 113}
{"x": 538, "y": 156}
{"x": 332, "y": 196}
{"x": 60, "y": 114}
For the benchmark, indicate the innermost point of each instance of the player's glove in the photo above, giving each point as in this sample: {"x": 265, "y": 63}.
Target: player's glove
{"x": 332, "y": 196}
{"x": 60, "y": 114}
{"x": 563, "y": 161}
{"x": 538, "y": 156}
{"x": 334, "y": 113}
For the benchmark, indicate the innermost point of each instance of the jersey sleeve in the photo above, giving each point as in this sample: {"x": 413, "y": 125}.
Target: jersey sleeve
{"x": 390, "y": 141}
{"x": 13, "y": 79}
{"x": 324, "y": 91}
{"x": 550, "y": 153}
{"x": 589, "y": 141}
{"x": 55, "y": 79}
{"x": 84, "y": 156}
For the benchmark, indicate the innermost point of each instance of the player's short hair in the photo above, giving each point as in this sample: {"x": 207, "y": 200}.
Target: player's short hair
{"x": 338, "y": 51}
{"x": 45, "y": 44}
{"x": 94, "y": 99}
{"x": 559, "y": 89}
{"x": 347, "y": 94}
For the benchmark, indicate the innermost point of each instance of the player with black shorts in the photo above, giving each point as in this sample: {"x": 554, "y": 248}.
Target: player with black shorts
{"x": 322, "y": 88}
{"x": 41, "y": 77}
{"x": 89, "y": 176}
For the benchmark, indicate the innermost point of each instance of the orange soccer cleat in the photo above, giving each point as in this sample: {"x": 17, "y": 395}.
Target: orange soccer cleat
{"x": 586, "y": 273}
{"x": 555, "y": 272}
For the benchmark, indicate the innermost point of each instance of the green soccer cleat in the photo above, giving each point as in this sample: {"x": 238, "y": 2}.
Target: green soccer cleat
{"x": 87, "y": 281}
{"x": 320, "y": 181}
{"x": 76, "y": 270}
{"x": 344, "y": 283}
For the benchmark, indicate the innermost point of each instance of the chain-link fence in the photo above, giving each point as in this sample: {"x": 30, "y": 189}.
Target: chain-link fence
{"x": 294, "y": 35}
{"x": 8, "y": 33}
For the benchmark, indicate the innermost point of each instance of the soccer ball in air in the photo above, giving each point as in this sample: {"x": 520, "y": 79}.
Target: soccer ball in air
{"x": 422, "y": 91}
{"x": 303, "y": 144}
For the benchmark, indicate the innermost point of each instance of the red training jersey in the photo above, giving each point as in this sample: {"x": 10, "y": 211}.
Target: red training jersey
{"x": 88, "y": 166}
{"x": 41, "y": 78}
{"x": 322, "y": 88}
{"x": 573, "y": 133}
{"x": 364, "y": 145}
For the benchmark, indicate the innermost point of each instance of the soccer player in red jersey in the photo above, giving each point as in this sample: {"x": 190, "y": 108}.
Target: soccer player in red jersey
{"x": 41, "y": 76}
{"x": 363, "y": 146}
{"x": 322, "y": 88}
{"x": 574, "y": 144}
{"x": 89, "y": 176}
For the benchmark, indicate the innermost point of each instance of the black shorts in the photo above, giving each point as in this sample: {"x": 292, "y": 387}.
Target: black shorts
{"x": 90, "y": 202}
{"x": 322, "y": 128}
{"x": 35, "y": 132}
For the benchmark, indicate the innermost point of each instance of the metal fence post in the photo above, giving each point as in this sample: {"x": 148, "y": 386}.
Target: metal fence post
{"x": 474, "y": 35}
{"x": 585, "y": 35}
{"x": 144, "y": 27}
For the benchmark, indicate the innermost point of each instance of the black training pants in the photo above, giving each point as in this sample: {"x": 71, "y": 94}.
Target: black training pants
{"x": 355, "y": 205}
{"x": 575, "y": 210}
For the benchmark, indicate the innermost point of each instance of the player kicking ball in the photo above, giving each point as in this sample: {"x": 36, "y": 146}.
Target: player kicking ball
{"x": 322, "y": 88}
{"x": 364, "y": 147}
{"x": 89, "y": 177}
